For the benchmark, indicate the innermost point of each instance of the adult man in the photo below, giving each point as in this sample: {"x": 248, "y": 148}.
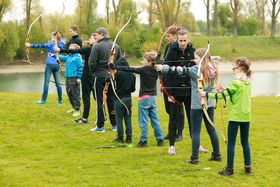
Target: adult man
{"x": 75, "y": 38}
{"x": 98, "y": 62}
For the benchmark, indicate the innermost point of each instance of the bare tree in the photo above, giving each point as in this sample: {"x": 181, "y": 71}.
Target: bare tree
{"x": 234, "y": 4}
{"x": 108, "y": 11}
{"x": 116, "y": 11}
{"x": 260, "y": 5}
{"x": 28, "y": 4}
{"x": 274, "y": 11}
{"x": 151, "y": 11}
{"x": 207, "y": 4}
{"x": 215, "y": 19}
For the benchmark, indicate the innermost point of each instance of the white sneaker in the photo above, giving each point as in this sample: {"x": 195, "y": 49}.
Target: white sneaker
{"x": 76, "y": 113}
{"x": 202, "y": 150}
{"x": 70, "y": 111}
{"x": 171, "y": 150}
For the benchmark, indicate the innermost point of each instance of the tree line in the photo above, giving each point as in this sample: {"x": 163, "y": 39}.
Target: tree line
{"x": 225, "y": 18}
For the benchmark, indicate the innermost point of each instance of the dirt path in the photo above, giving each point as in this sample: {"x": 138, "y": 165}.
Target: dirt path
{"x": 224, "y": 67}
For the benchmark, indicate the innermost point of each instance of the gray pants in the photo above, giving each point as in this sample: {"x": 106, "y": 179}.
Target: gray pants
{"x": 73, "y": 92}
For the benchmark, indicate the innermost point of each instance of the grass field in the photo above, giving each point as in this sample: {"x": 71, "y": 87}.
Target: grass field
{"x": 40, "y": 146}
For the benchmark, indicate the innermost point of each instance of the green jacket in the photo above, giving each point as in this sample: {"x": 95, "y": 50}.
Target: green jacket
{"x": 240, "y": 92}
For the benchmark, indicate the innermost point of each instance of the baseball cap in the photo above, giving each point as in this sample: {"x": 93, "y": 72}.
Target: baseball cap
{"x": 103, "y": 31}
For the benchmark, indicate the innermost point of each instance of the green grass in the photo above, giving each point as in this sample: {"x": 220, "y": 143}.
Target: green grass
{"x": 40, "y": 146}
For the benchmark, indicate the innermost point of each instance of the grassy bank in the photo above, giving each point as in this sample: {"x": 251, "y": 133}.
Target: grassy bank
{"x": 40, "y": 146}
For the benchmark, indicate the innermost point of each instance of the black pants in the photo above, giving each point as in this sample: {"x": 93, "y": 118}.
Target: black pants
{"x": 177, "y": 119}
{"x": 99, "y": 84}
{"x": 87, "y": 88}
{"x": 73, "y": 92}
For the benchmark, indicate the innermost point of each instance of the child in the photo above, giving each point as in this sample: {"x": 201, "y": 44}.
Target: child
{"x": 147, "y": 107}
{"x": 73, "y": 75}
{"x": 52, "y": 67}
{"x": 239, "y": 92}
{"x": 210, "y": 76}
{"x": 125, "y": 85}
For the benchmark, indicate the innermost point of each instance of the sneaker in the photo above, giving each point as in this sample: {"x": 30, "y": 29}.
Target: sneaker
{"x": 118, "y": 140}
{"x": 114, "y": 128}
{"x": 142, "y": 144}
{"x": 41, "y": 102}
{"x": 178, "y": 138}
{"x": 128, "y": 139}
{"x": 193, "y": 161}
{"x": 248, "y": 170}
{"x": 98, "y": 129}
{"x": 81, "y": 121}
{"x": 202, "y": 150}
{"x": 76, "y": 113}
{"x": 166, "y": 137}
{"x": 226, "y": 172}
{"x": 70, "y": 111}
{"x": 171, "y": 150}
{"x": 59, "y": 102}
{"x": 216, "y": 157}
{"x": 160, "y": 143}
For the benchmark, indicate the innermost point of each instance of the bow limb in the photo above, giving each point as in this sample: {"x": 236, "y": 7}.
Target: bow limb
{"x": 27, "y": 39}
{"x": 161, "y": 39}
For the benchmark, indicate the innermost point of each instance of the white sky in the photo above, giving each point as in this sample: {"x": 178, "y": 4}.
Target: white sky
{"x": 52, "y": 6}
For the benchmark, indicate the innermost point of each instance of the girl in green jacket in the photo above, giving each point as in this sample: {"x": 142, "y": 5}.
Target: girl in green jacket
{"x": 239, "y": 92}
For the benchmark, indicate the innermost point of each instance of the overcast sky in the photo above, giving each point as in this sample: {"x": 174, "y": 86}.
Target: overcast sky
{"x": 52, "y": 6}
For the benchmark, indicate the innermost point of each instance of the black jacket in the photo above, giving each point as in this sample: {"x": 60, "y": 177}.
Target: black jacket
{"x": 148, "y": 78}
{"x": 125, "y": 81}
{"x": 179, "y": 85}
{"x": 74, "y": 40}
{"x": 98, "y": 60}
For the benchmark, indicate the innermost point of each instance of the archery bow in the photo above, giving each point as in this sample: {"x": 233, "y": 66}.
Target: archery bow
{"x": 112, "y": 73}
{"x": 56, "y": 35}
{"x": 200, "y": 83}
{"x": 27, "y": 39}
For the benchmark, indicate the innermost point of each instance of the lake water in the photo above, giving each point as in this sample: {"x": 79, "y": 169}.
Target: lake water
{"x": 264, "y": 83}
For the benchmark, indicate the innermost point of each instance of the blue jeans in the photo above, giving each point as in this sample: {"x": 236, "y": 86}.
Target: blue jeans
{"x": 147, "y": 108}
{"x": 196, "y": 120}
{"x": 52, "y": 69}
{"x": 244, "y": 135}
{"x": 121, "y": 115}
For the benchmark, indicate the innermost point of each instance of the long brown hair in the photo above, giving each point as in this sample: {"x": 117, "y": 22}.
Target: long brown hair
{"x": 205, "y": 65}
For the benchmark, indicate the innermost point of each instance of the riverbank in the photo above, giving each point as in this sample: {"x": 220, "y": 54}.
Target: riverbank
{"x": 224, "y": 67}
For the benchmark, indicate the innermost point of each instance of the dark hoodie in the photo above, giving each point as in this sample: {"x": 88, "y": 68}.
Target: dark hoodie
{"x": 125, "y": 81}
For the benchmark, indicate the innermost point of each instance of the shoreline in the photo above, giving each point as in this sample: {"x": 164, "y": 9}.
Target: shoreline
{"x": 223, "y": 67}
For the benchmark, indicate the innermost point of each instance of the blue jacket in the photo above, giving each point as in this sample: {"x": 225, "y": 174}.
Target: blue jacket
{"x": 73, "y": 65}
{"x": 50, "y": 59}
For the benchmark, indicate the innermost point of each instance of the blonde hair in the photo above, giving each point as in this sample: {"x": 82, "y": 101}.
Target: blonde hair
{"x": 150, "y": 57}
{"x": 205, "y": 66}
{"x": 245, "y": 64}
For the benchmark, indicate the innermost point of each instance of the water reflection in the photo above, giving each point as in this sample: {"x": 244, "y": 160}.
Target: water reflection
{"x": 264, "y": 83}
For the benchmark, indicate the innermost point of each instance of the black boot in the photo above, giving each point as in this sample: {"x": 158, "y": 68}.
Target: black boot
{"x": 226, "y": 172}
{"x": 216, "y": 157}
{"x": 128, "y": 139}
{"x": 193, "y": 161}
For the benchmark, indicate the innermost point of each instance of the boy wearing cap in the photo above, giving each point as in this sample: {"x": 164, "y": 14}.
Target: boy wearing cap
{"x": 98, "y": 62}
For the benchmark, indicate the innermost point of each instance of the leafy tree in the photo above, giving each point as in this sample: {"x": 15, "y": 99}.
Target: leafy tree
{"x": 235, "y": 6}
{"x": 225, "y": 18}
{"x": 274, "y": 9}
{"x": 248, "y": 26}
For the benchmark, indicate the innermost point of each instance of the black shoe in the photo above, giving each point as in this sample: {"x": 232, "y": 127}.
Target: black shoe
{"x": 118, "y": 140}
{"x": 193, "y": 161}
{"x": 160, "y": 143}
{"x": 248, "y": 170}
{"x": 166, "y": 137}
{"x": 226, "y": 172}
{"x": 128, "y": 139}
{"x": 178, "y": 138}
{"x": 142, "y": 144}
{"x": 81, "y": 121}
{"x": 216, "y": 157}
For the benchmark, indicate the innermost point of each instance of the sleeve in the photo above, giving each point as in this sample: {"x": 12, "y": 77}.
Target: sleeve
{"x": 232, "y": 88}
{"x": 93, "y": 58}
{"x": 80, "y": 67}
{"x": 133, "y": 81}
{"x": 63, "y": 58}
{"x": 130, "y": 69}
{"x": 44, "y": 45}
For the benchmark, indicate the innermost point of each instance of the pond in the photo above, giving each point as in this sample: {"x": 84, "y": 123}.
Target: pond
{"x": 264, "y": 83}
